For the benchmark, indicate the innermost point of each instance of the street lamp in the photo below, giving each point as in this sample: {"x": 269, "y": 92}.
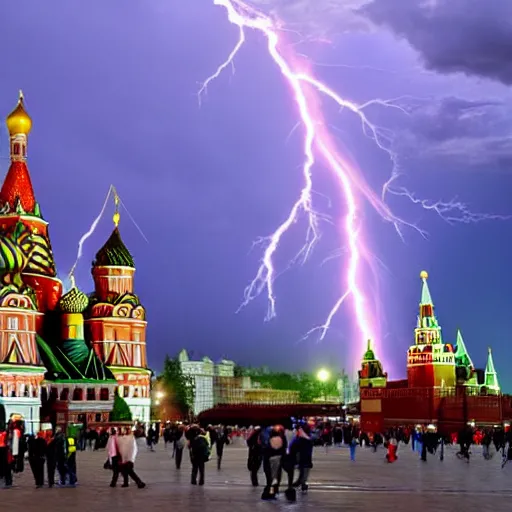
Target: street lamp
{"x": 323, "y": 375}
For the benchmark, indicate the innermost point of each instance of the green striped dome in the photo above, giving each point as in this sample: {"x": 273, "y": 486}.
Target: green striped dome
{"x": 114, "y": 253}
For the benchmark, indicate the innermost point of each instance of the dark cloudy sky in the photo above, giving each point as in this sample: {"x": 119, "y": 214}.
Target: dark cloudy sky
{"x": 112, "y": 86}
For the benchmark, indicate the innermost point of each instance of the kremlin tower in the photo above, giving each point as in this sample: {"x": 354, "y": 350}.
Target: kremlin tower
{"x": 116, "y": 323}
{"x": 430, "y": 362}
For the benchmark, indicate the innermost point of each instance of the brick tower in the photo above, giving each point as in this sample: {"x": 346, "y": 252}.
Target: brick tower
{"x": 430, "y": 362}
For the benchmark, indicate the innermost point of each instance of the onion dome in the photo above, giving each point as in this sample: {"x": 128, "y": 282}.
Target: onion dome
{"x": 18, "y": 121}
{"x": 114, "y": 253}
{"x": 74, "y": 301}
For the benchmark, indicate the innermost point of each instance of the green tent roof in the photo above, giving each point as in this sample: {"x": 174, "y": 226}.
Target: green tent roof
{"x": 73, "y": 361}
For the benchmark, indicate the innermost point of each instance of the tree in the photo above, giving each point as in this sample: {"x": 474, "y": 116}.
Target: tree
{"x": 180, "y": 387}
{"x": 120, "y": 410}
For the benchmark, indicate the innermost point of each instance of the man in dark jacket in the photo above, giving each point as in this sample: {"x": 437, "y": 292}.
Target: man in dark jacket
{"x": 255, "y": 456}
{"x": 199, "y": 454}
{"x": 273, "y": 453}
{"x": 301, "y": 450}
{"x": 36, "y": 458}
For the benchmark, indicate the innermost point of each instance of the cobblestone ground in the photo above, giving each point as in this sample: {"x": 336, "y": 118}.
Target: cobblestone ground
{"x": 336, "y": 483}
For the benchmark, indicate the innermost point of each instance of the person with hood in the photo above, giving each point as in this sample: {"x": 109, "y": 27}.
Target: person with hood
{"x": 36, "y": 457}
{"x": 255, "y": 455}
{"x": 301, "y": 450}
{"x": 127, "y": 447}
{"x": 199, "y": 453}
{"x": 273, "y": 453}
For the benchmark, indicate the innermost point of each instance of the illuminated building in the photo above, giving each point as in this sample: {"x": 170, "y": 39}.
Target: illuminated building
{"x": 442, "y": 386}
{"x": 54, "y": 348}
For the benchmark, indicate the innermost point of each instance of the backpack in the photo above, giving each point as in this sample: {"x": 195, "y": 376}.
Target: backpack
{"x": 205, "y": 447}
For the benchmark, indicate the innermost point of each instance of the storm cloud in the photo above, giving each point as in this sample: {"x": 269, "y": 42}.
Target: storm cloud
{"x": 474, "y": 134}
{"x": 473, "y": 37}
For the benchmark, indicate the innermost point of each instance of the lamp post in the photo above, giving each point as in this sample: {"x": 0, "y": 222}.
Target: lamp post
{"x": 323, "y": 376}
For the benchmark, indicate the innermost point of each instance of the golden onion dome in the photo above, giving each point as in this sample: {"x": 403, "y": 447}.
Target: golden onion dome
{"x": 18, "y": 121}
{"x": 74, "y": 301}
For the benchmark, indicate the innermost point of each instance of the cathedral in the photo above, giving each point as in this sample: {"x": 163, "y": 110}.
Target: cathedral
{"x": 64, "y": 356}
{"x": 443, "y": 387}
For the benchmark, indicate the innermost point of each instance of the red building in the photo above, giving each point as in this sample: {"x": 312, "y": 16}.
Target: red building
{"x": 442, "y": 387}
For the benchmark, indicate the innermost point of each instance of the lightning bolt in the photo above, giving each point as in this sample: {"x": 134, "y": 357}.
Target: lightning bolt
{"x": 318, "y": 143}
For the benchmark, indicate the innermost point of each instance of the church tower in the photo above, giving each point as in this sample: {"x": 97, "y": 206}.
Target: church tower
{"x": 116, "y": 323}
{"x": 430, "y": 362}
{"x": 19, "y": 211}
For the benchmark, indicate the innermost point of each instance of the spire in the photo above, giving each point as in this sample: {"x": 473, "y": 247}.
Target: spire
{"x": 426, "y": 299}
{"x": 462, "y": 357}
{"x": 427, "y": 329}
{"x": 17, "y": 194}
{"x": 491, "y": 377}
{"x": 369, "y": 354}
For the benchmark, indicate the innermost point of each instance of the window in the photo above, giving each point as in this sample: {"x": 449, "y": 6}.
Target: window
{"x": 78, "y": 394}
{"x": 12, "y": 323}
{"x": 91, "y": 394}
{"x": 126, "y": 391}
{"x": 64, "y": 394}
{"x": 136, "y": 356}
{"x": 104, "y": 394}
{"x": 98, "y": 417}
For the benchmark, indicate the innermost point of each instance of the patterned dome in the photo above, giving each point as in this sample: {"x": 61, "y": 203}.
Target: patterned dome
{"x": 74, "y": 301}
{"x": 114, "y": 253}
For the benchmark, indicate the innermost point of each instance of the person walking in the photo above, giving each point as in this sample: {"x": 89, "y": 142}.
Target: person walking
{"x": 255, "y": 455}
{"x": 114, "y": 459}
{"x": 71, "y": 460}
{"x": 61, "y": 454}
{"x": 220, "y": 442}
{"x": 199, "y": 454}
{"x": 179, "y": 445}
{"x": 127, "y": 446}
{"x": 36, "y": 458}
{"x": 273, "y": 453}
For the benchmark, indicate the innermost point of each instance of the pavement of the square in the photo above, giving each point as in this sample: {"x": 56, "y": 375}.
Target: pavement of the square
{"x": 336, "y": 483}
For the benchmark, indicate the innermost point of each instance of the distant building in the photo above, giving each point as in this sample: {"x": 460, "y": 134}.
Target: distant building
{"x": 203, "y": 373}
{"x": 215, "y": 383}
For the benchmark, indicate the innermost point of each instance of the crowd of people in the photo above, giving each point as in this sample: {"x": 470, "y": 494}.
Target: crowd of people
{"x": 284, "y": 454}
{"x": 51, "y": 448}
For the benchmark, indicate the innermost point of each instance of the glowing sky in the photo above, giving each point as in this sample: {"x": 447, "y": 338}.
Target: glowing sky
{"x": 112, "y": 90}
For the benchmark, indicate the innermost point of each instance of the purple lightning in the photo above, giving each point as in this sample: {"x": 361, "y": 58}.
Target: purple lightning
{"x": 317, "y": 142}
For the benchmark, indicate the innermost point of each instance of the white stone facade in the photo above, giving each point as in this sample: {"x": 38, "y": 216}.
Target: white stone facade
{"x": 140, "y": 409}
{"x": 26, "y": 407}
{"x": 203, "y": 372}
